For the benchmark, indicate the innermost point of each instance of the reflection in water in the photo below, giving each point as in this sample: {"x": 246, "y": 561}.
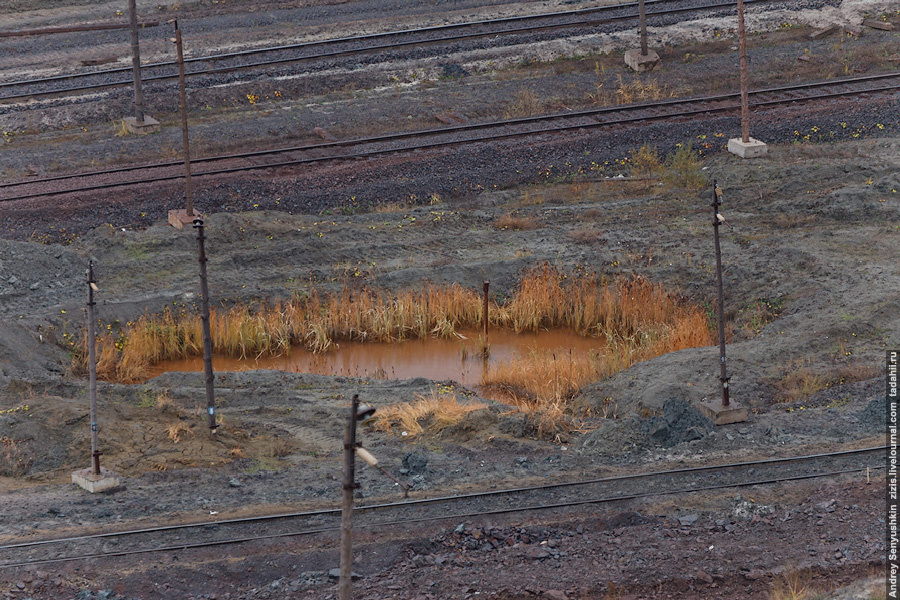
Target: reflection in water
{"x": 436, "y": 359}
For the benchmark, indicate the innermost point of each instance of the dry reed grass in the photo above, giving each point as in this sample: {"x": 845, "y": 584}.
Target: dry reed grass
{"x": 432, "y": 413}
{"x": 636, "y": 318}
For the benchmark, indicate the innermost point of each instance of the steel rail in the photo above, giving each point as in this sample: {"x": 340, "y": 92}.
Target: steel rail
{"x": 469, "y": 496}
{"x": 338, "y": 53}
{"x": 459, "y": 128}
{"x": 439, "y": 144}
{"x": 455, "y": 517}
{"x": 346, "y": 39}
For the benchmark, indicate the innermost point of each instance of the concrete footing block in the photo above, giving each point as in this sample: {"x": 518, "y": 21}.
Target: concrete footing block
{"x": 149, "y": 125}
{"x": 640, "y": 63}
{"x": 750, "y": 149}
{"x": 105, "y": 480}
{"x": 178, "y": 218}
{"x": 724, "y": 415}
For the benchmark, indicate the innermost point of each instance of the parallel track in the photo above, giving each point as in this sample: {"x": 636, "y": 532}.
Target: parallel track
{"x": 441, "y": 138}
{"x": 466, "y": 506}
{"x": 355, "y": 45}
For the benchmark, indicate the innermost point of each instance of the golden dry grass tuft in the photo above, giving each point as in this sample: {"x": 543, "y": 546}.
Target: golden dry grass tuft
{"x": 515, "y": 223}
{"x": 630, "y": 91}
{"x": 525, "y": 103}
{"x": 795, "y": 585}
{"x": 176, "y": 431}
{"x": 801, "y": 384}
{"x": 432, "y": 413}
{"x": 585, "y": 236}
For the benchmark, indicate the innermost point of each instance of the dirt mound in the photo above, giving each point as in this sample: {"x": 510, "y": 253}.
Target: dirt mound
{"x": 874, "y": 415}
{"x": 478, "y": 424}
{"x": 680, "y": 422}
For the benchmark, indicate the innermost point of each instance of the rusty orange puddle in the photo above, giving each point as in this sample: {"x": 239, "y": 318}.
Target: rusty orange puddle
{"x": 436, "y": 359}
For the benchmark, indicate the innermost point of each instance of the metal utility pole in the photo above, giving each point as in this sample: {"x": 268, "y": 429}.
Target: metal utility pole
{"x": 643, "y": 18}
{"x": 718, "y": 220}
{"x": 207, "y": 339}
{"x": 642, "y": 59}
{"x": 745, "y": 96}
{"x": 136, "y": 63}
{"x": 484, "y": 349}
{"x": 347, "y": 508}
{"x": 189, "y": 199}
{"x": 92, "y": 368}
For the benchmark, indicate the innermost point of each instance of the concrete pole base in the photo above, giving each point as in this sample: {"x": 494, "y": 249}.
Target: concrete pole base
{"x": 149, "y": 125}
{"x": 751, "y": 149}
{"x": 105, "y": 480}
{"x": 640, "y": 63}
{"x": 178, "y": 218}
{"x": 724, "y": 415}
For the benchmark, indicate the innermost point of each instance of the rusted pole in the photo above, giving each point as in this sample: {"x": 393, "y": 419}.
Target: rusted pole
{"x": 136, "y": 63}
{"x": 745, "y": 95}
{"x": 347, "y": 510}
{"x": 643, "y": 19}
{"x": 484, "y": 349}
{"x": 207, "y": 339}
{"x": 92, "y": 368}
{"x": 189, "y": 198}
{"x": 723, "y": 375}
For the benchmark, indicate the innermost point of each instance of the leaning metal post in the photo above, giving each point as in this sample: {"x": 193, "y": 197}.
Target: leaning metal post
{"x": 723, "y": 377}
{"x": 347, "y": 509}
{"x": 189, "y": 198}
{"x": 207, "y": 340}
{"x": 745, "y": 101}
{"x": 92, "y": 368}
{"x": 136, "y": 63}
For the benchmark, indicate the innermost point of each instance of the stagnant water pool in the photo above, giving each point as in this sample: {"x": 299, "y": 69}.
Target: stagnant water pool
{"x": 436, "y": 359}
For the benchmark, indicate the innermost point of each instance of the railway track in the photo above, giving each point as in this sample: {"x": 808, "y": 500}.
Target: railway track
{"x": 442, "y": 138}
{"x": 660, "y": 13}
{"x": 180, "y": 537}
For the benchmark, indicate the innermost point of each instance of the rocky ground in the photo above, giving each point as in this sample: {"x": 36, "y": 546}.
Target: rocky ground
{"x": 812, "y": 306}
